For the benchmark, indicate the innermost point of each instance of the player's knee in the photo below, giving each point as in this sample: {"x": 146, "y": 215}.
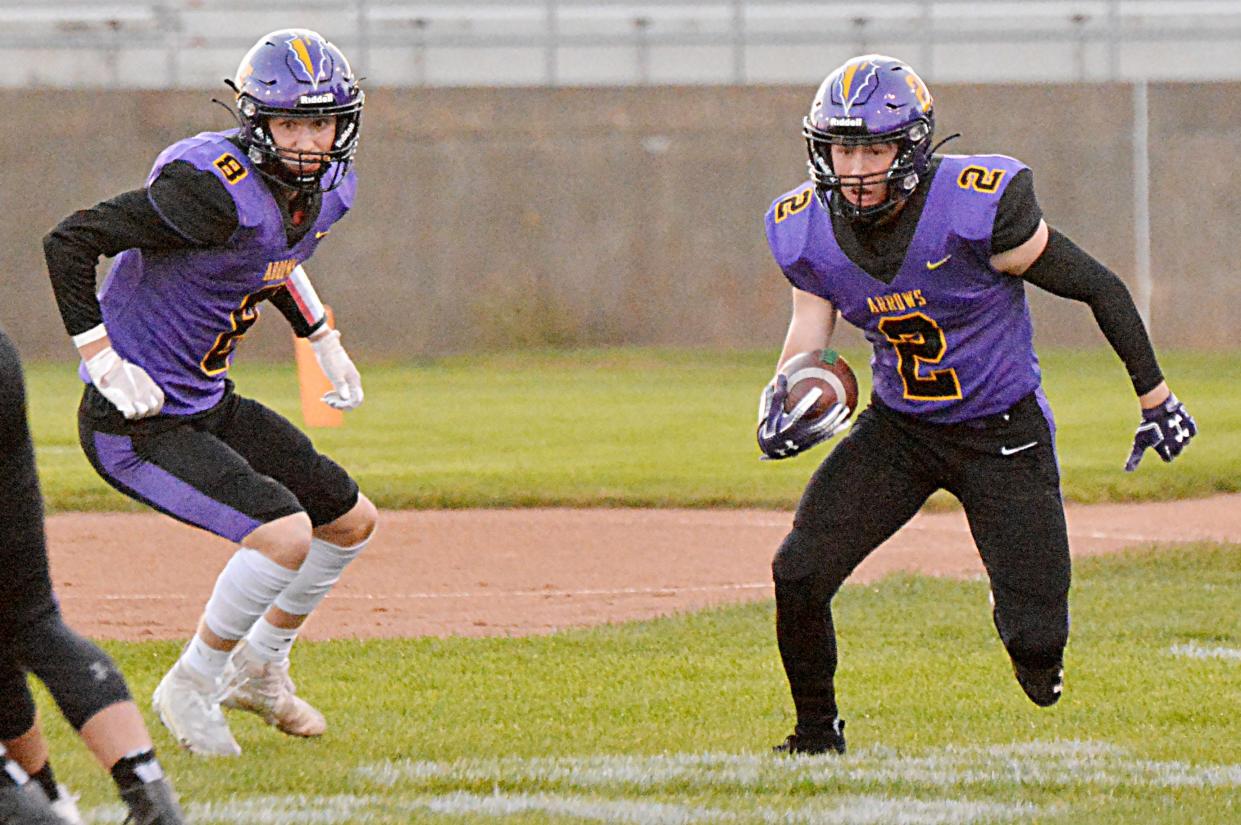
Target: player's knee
{"x": 795, "y": 559}
{"x": 336, "y": 545}
{"x": 1038, "y": 647}
{"x": 81, "y": 677}
{"x": 809, "y": 553}
{"x": 1034, "y": 631}
{"x": 286, "y": 541}
{"x": 1034, "y": 643}
{"x": 354, "y": 527}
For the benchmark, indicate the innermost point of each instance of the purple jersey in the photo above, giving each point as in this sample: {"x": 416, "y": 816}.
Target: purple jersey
{"x": 951, "y": 336}
{"x": 180, "y": 314}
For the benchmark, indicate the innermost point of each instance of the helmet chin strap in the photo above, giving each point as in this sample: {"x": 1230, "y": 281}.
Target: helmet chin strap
{"x": 953, "y": 136}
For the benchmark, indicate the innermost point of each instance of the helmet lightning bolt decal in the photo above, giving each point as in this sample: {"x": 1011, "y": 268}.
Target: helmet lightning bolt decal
{"x": 301, "y": 49}
{"x": 846, "y": 82}
{"x": 850, "y": 92}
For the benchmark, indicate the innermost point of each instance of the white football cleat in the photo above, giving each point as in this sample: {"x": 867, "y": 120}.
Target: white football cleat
{"x": 188, "y": 703}
{"x": 265, "y": 688}
{"x": 66, "y": 807}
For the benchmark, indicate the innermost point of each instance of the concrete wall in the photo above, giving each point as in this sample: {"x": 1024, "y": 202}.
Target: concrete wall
{"x": 491, "y": 218}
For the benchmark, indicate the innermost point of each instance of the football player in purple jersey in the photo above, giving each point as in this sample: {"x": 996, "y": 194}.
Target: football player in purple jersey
{"x": 929, "y": 256}
{"x": 82, "y": 679}
{"x": 223, "y": 224}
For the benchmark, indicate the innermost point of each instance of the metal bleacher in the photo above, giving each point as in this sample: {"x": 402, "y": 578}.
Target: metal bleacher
{"x": 193, "y": 43}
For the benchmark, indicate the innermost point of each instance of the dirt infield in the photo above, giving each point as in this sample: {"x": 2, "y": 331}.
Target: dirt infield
{"x": 518, "y": 572}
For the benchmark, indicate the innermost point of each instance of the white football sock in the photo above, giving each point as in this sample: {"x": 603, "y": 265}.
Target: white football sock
{"x": 271, "y": 643}
{"x": 207, "y": 661}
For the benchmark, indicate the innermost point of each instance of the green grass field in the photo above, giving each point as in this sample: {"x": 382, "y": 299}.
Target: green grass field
{"x": 669, "y": 721}
{"x": 647, "y": 428}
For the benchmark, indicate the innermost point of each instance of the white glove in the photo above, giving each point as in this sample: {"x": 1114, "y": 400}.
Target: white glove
{"x": 764, "y": 400}
{"x": 125, "y": 384}
{"x": 346, "y": 391}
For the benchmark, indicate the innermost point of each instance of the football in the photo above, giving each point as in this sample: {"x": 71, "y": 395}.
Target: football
{"x": 825, "y": 370}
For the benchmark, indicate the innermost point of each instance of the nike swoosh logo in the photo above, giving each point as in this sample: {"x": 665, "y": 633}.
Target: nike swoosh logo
{"x": 319, "y": 235}
{"x": 937, "y": 264}
{"x": 1011, "y": 450}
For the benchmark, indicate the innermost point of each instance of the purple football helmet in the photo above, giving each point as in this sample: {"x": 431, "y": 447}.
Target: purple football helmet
{"x": 870, "y": 99}
{"x": 297, "y": 73}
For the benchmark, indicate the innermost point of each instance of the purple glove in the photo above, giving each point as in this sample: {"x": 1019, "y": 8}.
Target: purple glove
{"x": 786, "y": 434}
{"x": 1167, "y": 428}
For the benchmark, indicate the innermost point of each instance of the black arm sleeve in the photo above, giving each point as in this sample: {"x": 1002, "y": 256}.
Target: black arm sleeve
{"x": 283, "y": 301}
{"x": 1065, "y": 269}
{"x": 1018, "y": 214}
{"x": 131, "y": 221}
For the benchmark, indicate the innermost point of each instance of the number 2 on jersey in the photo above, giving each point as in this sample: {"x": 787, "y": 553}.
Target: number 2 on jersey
{"x": 918, "y": 340}
{"x": 240, "y": 321}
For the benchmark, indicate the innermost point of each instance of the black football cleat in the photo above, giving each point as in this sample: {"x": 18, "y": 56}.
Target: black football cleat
{"x": 812, "y": 741}
{"x": 153, "y": 803}
{"x": 24, "y": 803}
{"x": 1042, "y": 684}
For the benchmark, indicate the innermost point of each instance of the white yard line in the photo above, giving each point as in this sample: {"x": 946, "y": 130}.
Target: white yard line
{"x": 1068, "y": 763}
{"x": 1196, "y": 651}
{"x": 616, "y": 789}
{"x": 307, "y": 809}
{"x": 634, "y": 812}
{"x": 883, "y": 810}
{"x": 298, "y": 809}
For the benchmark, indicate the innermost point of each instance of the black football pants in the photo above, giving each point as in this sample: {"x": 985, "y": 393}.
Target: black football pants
{"x": 1004, "y": 471}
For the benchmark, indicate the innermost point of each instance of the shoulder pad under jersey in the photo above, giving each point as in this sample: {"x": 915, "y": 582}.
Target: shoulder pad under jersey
{"x": 977, "y": 183}
{"x": 787, "y": 223}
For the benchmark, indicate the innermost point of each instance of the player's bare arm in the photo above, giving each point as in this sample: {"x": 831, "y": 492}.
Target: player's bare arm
{"x": 1016, "y": 261}
{"x": 783, "y": 433}
{"x": 810, "y": 328}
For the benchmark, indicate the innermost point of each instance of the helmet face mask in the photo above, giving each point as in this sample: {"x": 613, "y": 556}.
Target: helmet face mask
{"x": 869, "y": 100}
{"x": 295, "y": 73}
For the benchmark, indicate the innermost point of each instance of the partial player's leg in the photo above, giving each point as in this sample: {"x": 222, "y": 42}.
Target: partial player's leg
{"x": 18, "y": 712}
{"x": 84, "y": 683}
{"x": 21, "y": 801}
{"x": 30, "y": 751}
{"x": 91, "y": 693}
{"x": 26, "y": 587}
{"x": 94, "y": 699}
{"x": 118, "y": 739}
{"x": 867, "y": 488}
{"x": 1016, "y": 515}
{"x": 182, "y": 469}
{"x": 257, "y": 678}
{"x": 190, "y": 696}
{"x": 82, "y": 679}
{"x": 342, "y": 520}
